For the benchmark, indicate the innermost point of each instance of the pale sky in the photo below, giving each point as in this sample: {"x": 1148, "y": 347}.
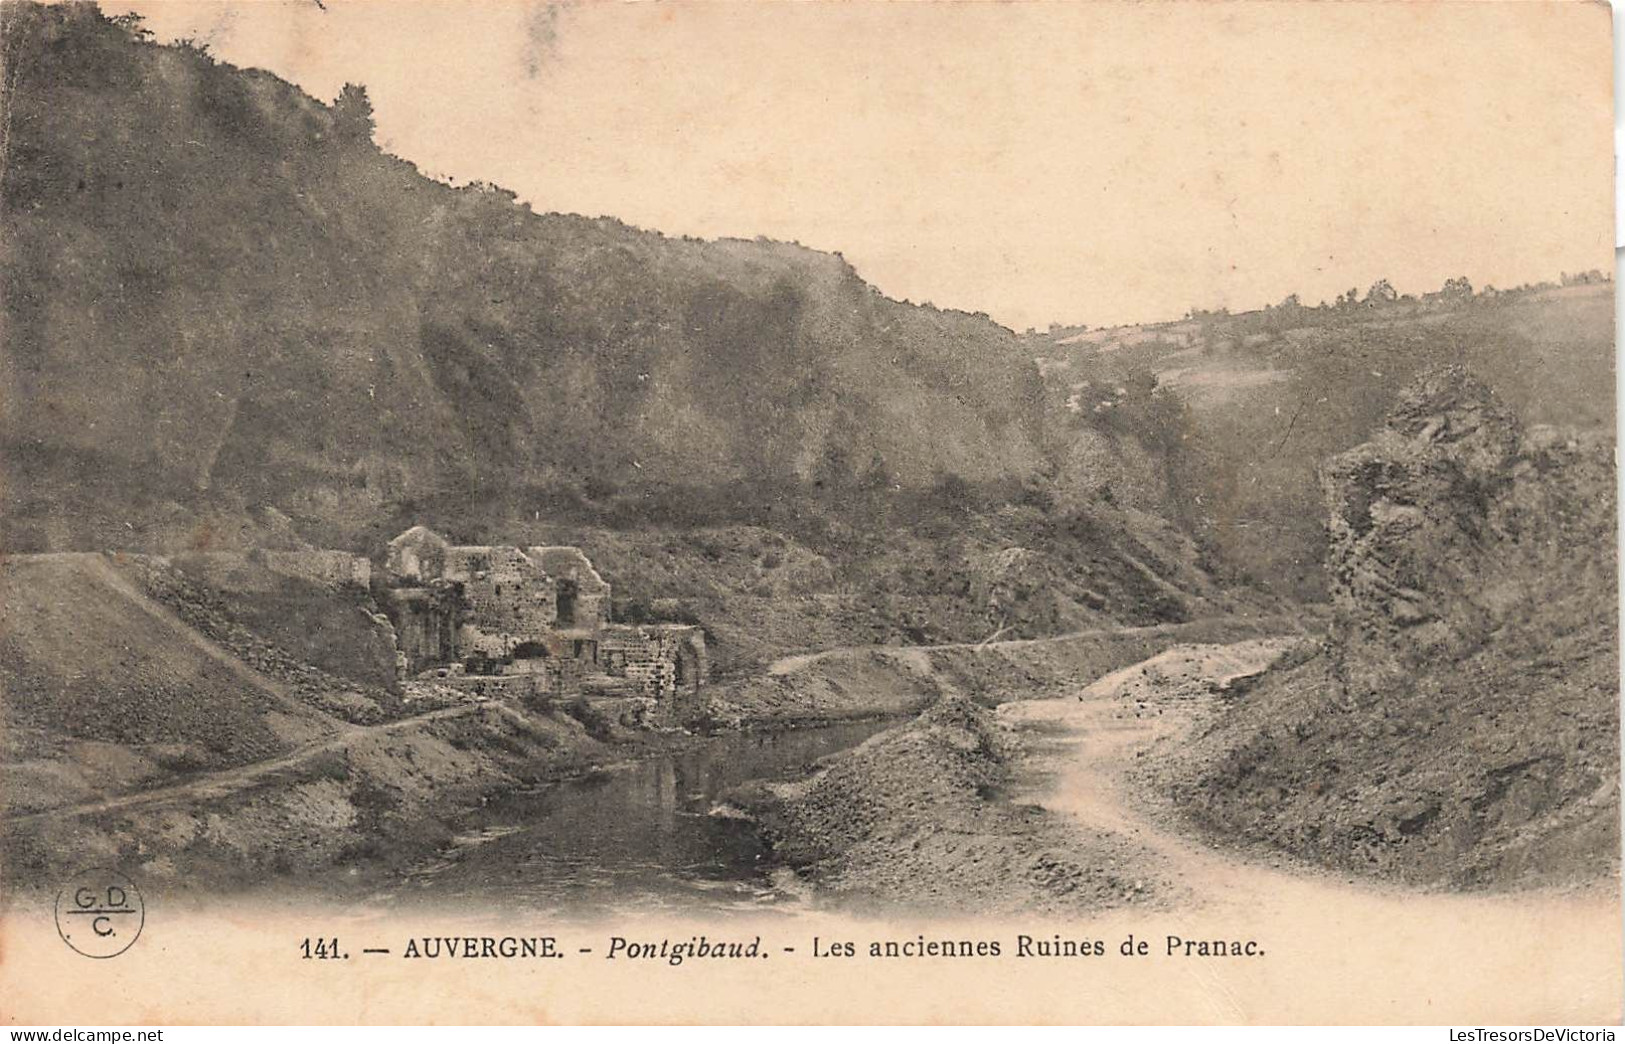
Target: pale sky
{"x": 1090, "y": 163}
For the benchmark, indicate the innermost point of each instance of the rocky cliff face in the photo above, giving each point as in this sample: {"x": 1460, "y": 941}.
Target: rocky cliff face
{"x": 228, "y": 320}
{"x": 1462, "y": 721}
{"x": 1454, "y": 524}
{"x": 214, "y": 295}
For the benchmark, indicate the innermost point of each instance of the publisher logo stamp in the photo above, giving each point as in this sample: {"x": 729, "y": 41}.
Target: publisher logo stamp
{"x": 100, "y": 913}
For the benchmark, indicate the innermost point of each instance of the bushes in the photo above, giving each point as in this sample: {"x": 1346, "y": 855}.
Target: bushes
{"x": 597, "y": 724}
{"x": 638, "y": 610}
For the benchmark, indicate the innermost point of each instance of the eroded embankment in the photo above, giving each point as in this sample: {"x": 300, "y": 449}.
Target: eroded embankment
{"x": 375, "y": 799}
{"x": 911, "y": 819}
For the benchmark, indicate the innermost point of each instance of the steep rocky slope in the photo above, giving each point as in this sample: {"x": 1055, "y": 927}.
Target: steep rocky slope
{"x": 228, "y": 319}
{"x": 218, "y": 291}
{"x": 1462, "y": 722}
{"x": 103, "y": 686}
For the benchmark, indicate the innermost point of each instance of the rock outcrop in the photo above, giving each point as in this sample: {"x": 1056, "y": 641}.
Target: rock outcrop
{"x": 1462, "y": 723}
{"x": 1454, "y": 524}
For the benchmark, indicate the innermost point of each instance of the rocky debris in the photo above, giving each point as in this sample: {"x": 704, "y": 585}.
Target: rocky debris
{"x": 914, "y": 818}
{"x": 1461, "y": 724}
{"x": 219, "y": 616}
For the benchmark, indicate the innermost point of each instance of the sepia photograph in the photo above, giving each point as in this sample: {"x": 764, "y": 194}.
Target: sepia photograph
{"x": 549, "y": 511}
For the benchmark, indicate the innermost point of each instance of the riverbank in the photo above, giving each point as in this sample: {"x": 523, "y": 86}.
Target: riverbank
{"x": 1022, "y": 807}
{"x": 634, "y": 837}
{"x": 372, "y": 802}
{"x": 914, "y": 820}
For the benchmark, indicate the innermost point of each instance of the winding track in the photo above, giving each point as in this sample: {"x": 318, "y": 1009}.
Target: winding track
{"x": 1077, "y": 752}
{"x": 227, "y": 781}
{"x": 96, "y": 568}
{"x": 799, "y": 661}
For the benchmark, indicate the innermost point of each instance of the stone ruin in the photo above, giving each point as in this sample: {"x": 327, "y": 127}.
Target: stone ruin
{"x": 533, "y": 624}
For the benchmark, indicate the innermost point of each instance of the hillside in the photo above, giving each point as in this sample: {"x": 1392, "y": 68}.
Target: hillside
{"x": 149, "y": 717}
{"x": 230, "y": 320}
{"x": 1461, "y": 724}
{"x": 1271, "y": 394}
{"x": 220, "y": 289}
{"x": 103, "y": 686}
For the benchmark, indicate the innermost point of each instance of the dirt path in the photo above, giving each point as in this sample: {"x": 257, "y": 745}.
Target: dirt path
{"x": 1079, "y": 751}
{"x": 799, "y": 661}
{"x": 227, "y": 781}
{"x": 1314, "y": 942}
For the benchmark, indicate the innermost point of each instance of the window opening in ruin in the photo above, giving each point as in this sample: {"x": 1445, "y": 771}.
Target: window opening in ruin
{"x": 567, "y": 603}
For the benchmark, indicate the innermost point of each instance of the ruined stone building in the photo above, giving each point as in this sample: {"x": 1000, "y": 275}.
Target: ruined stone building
{"x": 530, "y": 622}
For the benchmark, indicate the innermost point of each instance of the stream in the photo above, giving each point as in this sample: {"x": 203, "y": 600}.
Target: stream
{"x": 636, "y": 838}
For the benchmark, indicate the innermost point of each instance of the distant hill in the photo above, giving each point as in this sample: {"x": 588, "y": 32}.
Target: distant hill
{"x": 1273, "y": 393}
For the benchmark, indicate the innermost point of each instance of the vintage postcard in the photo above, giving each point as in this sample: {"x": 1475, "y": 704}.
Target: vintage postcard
{"x": 592, "y": 512}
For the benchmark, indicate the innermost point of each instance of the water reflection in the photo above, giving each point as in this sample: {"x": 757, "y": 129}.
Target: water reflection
{"x": 636, "y": 838}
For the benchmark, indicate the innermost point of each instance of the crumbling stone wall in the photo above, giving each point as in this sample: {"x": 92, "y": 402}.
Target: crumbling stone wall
{"x": 425, "y": 620}
{"x": 417, "y": 555}
{"x": 582, "y": 600}
{"x": 246, "y": 570}
{"x": 535, "y": 683}
{"x": 539, "y": 615}
{"x": 507, "y": 599}
{"x": 668, "y": 659}
{"x": 227, "y": 570}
